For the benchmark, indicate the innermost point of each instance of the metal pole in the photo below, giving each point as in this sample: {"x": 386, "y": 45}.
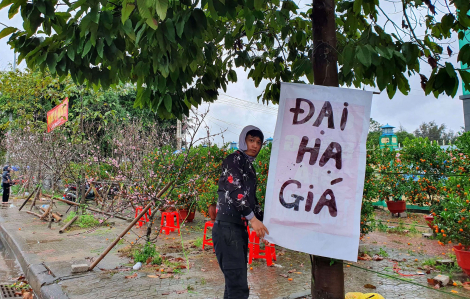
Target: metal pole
{"x": 465, "y": 97}
{"x": 10, "y": 116}
{"x": 178, "y": 134}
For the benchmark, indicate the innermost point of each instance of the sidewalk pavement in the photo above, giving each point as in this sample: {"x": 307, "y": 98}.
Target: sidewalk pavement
{"x": 46, "y": 258}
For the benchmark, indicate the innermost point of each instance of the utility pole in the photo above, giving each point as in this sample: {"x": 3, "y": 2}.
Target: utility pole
{"x": 10, "y": 116}
{"x": 178, "y": 134}
{"x": 465, "y": 97}
{"x": 327, "y": 275}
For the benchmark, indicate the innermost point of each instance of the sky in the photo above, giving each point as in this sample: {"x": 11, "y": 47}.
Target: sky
{"x": 231, "y": 115}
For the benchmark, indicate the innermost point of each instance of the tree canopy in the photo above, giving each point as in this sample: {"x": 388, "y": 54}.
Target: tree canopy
{"x": 179, "y": 53}
{"x": 435, "y": 132}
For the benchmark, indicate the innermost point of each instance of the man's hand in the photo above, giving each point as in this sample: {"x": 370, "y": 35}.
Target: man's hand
{"x": 259, "y": 227}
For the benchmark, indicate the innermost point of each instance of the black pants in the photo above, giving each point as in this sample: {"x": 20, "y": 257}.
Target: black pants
{"x": 6, "y": 194}
{"x": 231, "y": 248}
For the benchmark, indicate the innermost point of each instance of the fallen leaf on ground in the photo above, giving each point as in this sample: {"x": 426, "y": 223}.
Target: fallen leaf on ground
{"x": 179, "y": 259}
{"x": 437, "y": 286}
{"x": 284, "y": 275}
{"x": 377, "y": 258}
{"x": 292, "y": 271}
{"x": 298, "y": 272}
{"x": 302, "y": 264}
{"x": 181, "y": 292}
{"x": 165, "y": 293}
{"x": 466, "y": 285}
{"x": 431, "y": 281}
{"x": 28, "y": 295}
{"x": 153, "y": 276}
{"x": 149, "y": 260}
{"x": 364, "y": 257}
{"x": 132, "y": 276}
{"x": 181, "y": 267}
{"x": 369, "y": 286}
{"x": 163, "y": 276}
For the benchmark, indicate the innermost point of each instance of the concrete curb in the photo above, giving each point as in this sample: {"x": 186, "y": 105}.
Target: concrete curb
{"x": 36, "y": 274}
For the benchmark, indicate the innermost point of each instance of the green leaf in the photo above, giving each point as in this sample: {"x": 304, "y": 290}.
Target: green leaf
{"x": 168, "y": 102}
{"x": 14, "y": 9}
{"x": 357, "y": 6}
{"x": 364, "y": 56}
{"x": 87, "y": 48}
{"x": 143, "y": 9}
{"x": 232, "y": 76}
{"x": 127, "y": 9}
{"x": 384, "y": 52}
{"x": 180, "y": 27}
{"x": 450, "y": 70}
{"x": 162, "y": 7}
{"x": 5, "y": 3}
{"x": 152, "y": 23}
{"x": 100, "y": 47}
{"x": 7, "y": 31}
{"x": 259, "y": 4}
{"x": 129, "y": 30}
{"x": 71, "y": 53}
{"x": 391, "y": 89}
{"x": 170, "y": 29}
{"x": 200, "y": 18}
{"x": 465, "y": 75}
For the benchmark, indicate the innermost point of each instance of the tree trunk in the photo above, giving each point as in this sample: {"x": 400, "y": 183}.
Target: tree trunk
{"x": 327, "y": 280}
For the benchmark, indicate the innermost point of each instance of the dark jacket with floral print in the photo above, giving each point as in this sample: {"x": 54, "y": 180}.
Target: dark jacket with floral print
{"x": 237, "y": 190}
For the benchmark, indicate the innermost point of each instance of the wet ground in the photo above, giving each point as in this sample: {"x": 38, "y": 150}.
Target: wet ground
{"x": 10, "y": 269}
{"x": 395, "y": 276}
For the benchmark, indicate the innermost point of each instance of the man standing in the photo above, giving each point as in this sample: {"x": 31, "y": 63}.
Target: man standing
{"x": 237, "y": 203}
{"x": 6, "y": 183}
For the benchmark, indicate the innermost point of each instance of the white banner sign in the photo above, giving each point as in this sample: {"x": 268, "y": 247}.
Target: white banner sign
{"x": 317, "y": 168}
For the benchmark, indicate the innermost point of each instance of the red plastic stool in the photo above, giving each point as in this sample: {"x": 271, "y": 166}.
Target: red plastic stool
{"x": 168, "y": 222}
{"x": 256, "y": 253}
{"x": 144, "y": 218}
{"x": 206, "y": 241}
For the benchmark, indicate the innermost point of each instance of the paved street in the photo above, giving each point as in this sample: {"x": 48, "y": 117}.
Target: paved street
{"x": 204, "y": 279}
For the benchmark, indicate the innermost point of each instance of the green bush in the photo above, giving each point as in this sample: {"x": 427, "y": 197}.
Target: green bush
{"x": 149, "y": 250}
{"x": 84, "y": 220}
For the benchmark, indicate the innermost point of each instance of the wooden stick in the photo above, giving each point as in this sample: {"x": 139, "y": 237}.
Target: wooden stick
{"x": 46, "y": 212}
{"x": 92, "y": 209}
{"x": 24, "y": 203}
{"x": 111, "y": 246}
{"x": 35, "y": 214}
{"x": 56, "y": 216}
{"x": 68, "y": 224}
{"x": 88, "y": 191}
{"x": 35, "y": 198}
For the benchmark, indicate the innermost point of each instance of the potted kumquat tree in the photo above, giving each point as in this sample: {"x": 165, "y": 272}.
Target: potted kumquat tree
{"x": 451, "y": 225}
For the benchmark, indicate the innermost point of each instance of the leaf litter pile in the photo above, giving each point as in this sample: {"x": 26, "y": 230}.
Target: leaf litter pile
{"x": 22, "y": 288}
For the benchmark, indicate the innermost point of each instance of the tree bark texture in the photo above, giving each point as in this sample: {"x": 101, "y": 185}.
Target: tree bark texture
{"x": 327, "y": 280}
{"x": 325, "y": 56}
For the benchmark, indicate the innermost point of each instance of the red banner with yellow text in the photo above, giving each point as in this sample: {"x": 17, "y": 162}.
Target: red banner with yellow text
{"x": 58, "y": 115}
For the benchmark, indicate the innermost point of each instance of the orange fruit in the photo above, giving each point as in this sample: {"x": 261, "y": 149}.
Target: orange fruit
{"x": 289, "y": 279}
